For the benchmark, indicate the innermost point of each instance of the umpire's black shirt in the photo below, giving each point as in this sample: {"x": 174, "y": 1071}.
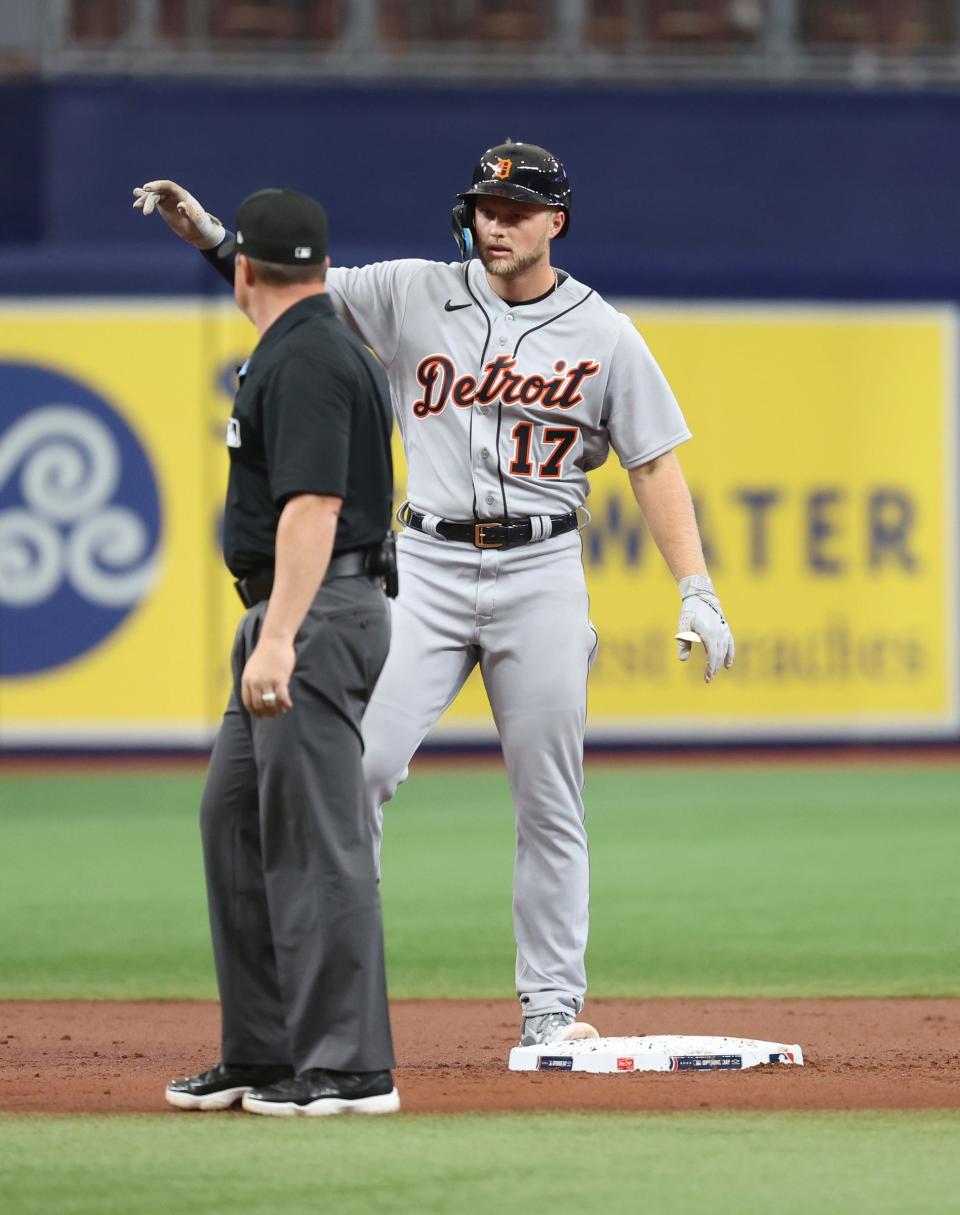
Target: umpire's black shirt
{"x": 311, "y": 416}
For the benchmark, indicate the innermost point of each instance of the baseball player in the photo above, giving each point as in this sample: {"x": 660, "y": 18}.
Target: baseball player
{"x": 510, "y": 382}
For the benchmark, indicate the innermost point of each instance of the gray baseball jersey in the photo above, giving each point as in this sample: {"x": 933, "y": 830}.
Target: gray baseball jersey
{"x": 504, "y": 409}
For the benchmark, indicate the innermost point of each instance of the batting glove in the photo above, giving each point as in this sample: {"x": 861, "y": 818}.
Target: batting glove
{"x": 701, "y": 619}
{"x": 181, "y": 212}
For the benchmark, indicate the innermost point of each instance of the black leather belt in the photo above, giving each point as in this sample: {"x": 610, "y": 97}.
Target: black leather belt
{"x": 490, "y": 533}
{"x": 256, "y": 587}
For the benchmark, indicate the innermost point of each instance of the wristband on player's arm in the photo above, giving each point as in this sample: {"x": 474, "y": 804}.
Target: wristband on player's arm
{"x": 697, "y": 584}
{"x": 222, "y": 265}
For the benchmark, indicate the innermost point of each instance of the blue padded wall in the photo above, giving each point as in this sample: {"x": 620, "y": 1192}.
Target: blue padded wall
{"x": 736, "y": 193}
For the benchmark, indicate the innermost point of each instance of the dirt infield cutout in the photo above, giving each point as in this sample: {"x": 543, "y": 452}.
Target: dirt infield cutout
{"x": 99, "y": 1057}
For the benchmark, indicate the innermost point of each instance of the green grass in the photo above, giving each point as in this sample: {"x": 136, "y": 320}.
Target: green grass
{"x": 101, "y": 888}
{"x": 744, "y": 1164}
{"x": 792, "y": 880}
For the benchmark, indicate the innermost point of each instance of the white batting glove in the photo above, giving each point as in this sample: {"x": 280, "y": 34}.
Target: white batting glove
{"x": 702, "y": 619}
{"x": 181, "y": 212}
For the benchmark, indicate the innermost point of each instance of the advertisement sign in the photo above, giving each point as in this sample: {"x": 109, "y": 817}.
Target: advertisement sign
{"x": 823, "y": 466}
{"x": 108, "y": 477}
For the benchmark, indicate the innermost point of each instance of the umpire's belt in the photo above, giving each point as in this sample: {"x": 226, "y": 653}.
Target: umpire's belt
{"x": 256, "y": 587}
{"x": 490, "y": 533}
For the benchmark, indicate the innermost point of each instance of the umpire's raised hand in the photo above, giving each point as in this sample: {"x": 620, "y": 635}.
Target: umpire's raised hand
{"x": 181, "y": 212}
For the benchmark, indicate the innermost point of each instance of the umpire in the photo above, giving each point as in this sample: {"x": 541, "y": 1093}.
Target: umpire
{"x": 291, "y": 884}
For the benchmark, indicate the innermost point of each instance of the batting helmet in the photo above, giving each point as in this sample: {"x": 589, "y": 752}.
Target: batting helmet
{"x": 522, "y": 171}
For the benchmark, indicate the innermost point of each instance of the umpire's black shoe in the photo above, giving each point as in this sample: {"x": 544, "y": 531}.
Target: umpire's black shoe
{"x": 223, "y": 1085}
{"x": 318, "y": 1091}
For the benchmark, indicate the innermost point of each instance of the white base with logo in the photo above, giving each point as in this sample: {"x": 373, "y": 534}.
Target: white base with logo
{"x": 661, "y": 1053}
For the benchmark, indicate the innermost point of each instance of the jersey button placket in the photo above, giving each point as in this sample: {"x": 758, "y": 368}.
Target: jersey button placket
{"x": 486, "y": 472}
{"x": 483, "y": 433}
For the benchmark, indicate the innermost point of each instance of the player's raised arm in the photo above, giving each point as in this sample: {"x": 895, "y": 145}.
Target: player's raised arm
{"x": 662, "y": 495}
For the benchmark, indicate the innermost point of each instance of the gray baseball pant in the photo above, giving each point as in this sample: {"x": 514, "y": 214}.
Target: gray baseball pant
{"x": 291, "y": 881}
{"x": 522, "y": 614}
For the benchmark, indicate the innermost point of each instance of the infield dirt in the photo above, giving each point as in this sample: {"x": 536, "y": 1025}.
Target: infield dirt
{"x": 98, "y": 1057}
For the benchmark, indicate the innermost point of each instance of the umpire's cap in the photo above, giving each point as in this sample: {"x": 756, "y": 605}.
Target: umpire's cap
{"x": 525, "y": 172}
{"x": 282, "y": 226}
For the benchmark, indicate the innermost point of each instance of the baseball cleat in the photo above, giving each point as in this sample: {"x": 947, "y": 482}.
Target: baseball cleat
{"x": 318, "y": 1092}
{"x": 222, "y": 1086}
{"x": 549, "y": 1028}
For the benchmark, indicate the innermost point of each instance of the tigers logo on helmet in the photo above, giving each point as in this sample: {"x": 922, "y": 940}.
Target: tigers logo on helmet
{"x": 504, "y": 168}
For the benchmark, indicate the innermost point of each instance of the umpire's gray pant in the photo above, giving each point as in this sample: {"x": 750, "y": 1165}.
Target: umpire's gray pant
{"x": 291, "y": 879}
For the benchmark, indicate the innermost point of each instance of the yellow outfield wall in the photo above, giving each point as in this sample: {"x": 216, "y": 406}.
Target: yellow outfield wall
{"x": 823, "y": 465}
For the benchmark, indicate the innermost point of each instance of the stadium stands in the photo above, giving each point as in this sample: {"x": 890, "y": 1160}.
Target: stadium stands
{"x": 863, "y": 41}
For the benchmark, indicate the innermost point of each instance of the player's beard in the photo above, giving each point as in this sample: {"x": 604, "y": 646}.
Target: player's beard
{"x": 510, "y": 267}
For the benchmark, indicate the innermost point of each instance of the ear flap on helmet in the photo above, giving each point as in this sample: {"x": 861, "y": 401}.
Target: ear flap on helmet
{"x": 463, "y": 232}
